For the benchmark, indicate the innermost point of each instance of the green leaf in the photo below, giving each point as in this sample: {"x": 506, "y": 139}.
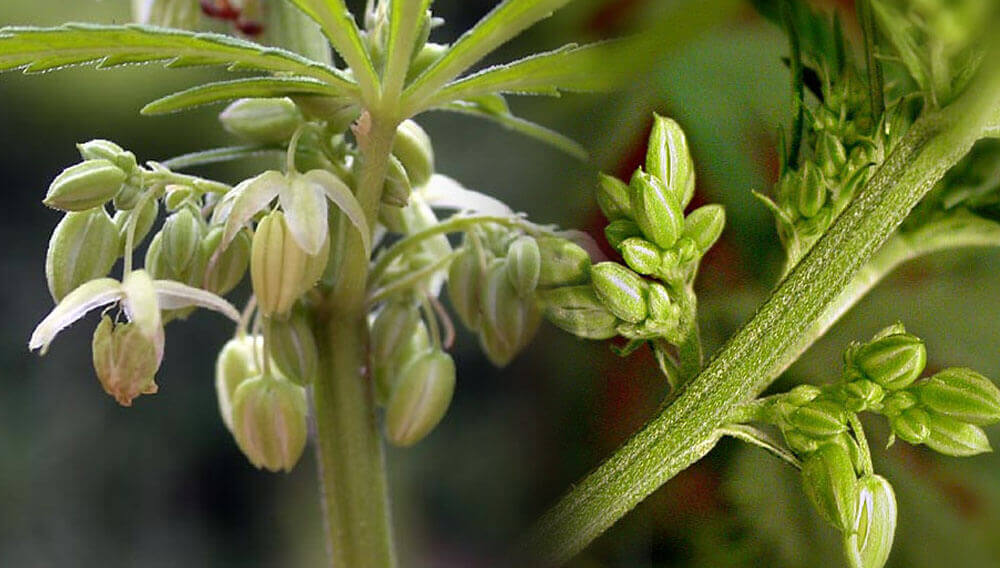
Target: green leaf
{"x": 596, "y": 67}
{"x": 257, "y": 87}
{"x": 43, "y": 49}
{"x": 219, "y": 155}
{"x": 339, "y": 27}
{"x": 520, "y": 125}
{"x": 405, "y": 20}
{"x": 498, "y": 27}
{"x": 899, "y": 31}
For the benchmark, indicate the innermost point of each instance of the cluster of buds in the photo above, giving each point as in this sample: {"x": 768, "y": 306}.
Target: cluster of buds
{"x": 649, "y": 296}
{"x": 819, "y": 424}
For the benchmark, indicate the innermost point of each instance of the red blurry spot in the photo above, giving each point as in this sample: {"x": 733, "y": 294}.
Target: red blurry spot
{"x": 250, "y": 27}
{"x": 220, "y": 9}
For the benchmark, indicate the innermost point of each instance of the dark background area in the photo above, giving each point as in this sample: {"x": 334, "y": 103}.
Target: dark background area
{"x": 85, "y": 482}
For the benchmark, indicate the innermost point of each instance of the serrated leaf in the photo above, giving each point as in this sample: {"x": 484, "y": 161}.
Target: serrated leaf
{"x": 341, "y": 29}
{"x": 498, "y": 27}
{"x": 897, "y": 30}
{"x": 45, "y": 49}
{"x": 253, "y": 195}
{"x": 257, "y": 87}
{"x": 404, "y": 25}
{"x": 342, "y": 196}
{"x": 175, "y": 295}
{"x": 74, "y": 306}
{"x": 519, "y": 125}
{"x": 596, "y": 67}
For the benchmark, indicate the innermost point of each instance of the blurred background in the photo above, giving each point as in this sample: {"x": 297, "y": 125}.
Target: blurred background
{"x": 85, "y": 482}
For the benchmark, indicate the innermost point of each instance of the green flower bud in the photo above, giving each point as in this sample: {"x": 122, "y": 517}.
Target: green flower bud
{"x": 811, "y": 194}
{"x": 144, "y": 223}
{"x": 269, "y": 422}
{"x": 962, "y": 394}
{"x": 704, "y": 226}
{"x": 107, "y": 150}
{"x": 84, "y": 186}
{"x": 264, "y": 121}
{"x": 508, "y": 322}
{"x": 280, "y": 270}
{"x": 801, "y": 443}
{"x": 524, "y": 265}
{"x": 830, "y": 155}
{"x": 236, "y": 362}
{"x": 862, "y": 394}
{"x": 952, "y": 437}
{"x": 564, "y": 263}
{"x": 820, "y": 418}
{"x": 182, "y": 233}
{"x": 669, "y": 159}
{"x": 662, "y": 308}
{"x": 577, "y": 309}
{"x": 641, "y": 255}
{"x": 388, "y": 371}
{"x": 830, "y": 483}
{"x": 125, "y": 359}
{"x": 801, "y": 394}
{"x": 894, "y": 361}
{"x": 912, "y": 425}
{"x": 292, "y": 347}
{"x": 420, "y": 398}
{"x": 464, "y": 282}
{"x": 622, "y": 291}
{"x": 225, "y": 269}
{"x": 656, "y": 210}
{"x": 412, "y": 146}
{"x": 869, "y": 542}
{"x": 397, "y": 187}
{"x": 176, "y": 196}
{"x": 392, "y": 328}
{"x": 619, "y": 230}
{"x": 84, "y": 246}
{"x": 613, "y": 197}
{"x": 423, "y": 59}
{"x": 898, "y": 402}
{"x": 127, "y": 197}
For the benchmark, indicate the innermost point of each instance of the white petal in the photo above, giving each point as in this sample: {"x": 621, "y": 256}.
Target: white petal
{"x": 74, "y": 306}
{"x": 254, "y": 195}
{"x": 445, "y": 193}
{"x": 304, "y": 204}
{"x": 344, "y": 199}
{"x": 174, "y": 295}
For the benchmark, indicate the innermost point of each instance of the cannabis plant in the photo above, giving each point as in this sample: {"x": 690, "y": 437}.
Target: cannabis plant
{"x": 350, "y": 246}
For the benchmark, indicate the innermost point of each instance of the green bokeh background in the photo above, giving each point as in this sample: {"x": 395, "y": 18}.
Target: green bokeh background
{"x": 84, "y": 482}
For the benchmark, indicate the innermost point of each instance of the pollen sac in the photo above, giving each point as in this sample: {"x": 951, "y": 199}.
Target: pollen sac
{"x": 656, "y": 210}
{"x": 182, "y": 234}
{"x": 704, "y": 226}
{"x": 893, "y": 361}
{"x": 669, "y": 159}
{"x": 869, "y": 542}
{"x": 388, "y": 371}
{"x": 621, "y": 290}
{"x": 279, "y": 269}
{"x": 962, "y": 394}
{"x": 125, "y": 359}
{"x": 225, "y": 269}
{"x": 465, "y": 278}
{"x": 613, "y": 198}
{"x": 264, "y": 121}
{"x": 412, "y": 147}
{"x": 236, "y": 362}
{"x": 269, "y": 422}
{"x": 84, "y": 246}
{"x": 830, "y": 483}
{"x": 292, "y": 347}
{"x": 563, "y": 263}
{"x": 392, "y": 328}
{"x": 577, "y": 309}
{"x": 509, "y": 322}
{"x": 524, "y": 265}
{"x": 84, "y": 186}
{"x": 420, "y": 398}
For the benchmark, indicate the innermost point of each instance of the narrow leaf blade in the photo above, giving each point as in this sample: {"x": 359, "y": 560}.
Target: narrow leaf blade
{"x": 257, "y": 87}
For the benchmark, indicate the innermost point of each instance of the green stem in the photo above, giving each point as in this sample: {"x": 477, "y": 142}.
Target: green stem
{"x": 688, "y": 429}
{"x": 349, "y": 445}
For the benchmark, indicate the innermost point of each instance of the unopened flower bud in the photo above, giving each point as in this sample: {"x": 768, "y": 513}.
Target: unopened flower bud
{"x": 620, "y": 230}
{"x": 84, "y": 186}
{"x": 911, "y": 425}
{"x": 656, "y": 210}
{"x": 125, "y": 359}
{"x": 820, "y": 418}
{"x": 669, "y": 159}
{"x": 412, "y": 146}
{"x": 613, "y": 197}
{"x": 182, "y": 233}
{"x": 524, "y": 265}
{"x": 420, "y": 399}
{"x": 176, "y": 196}
{"x": 704, "y": 226}
{"x": 894, "y": 361}
{"x": 577, "y": 309}
{"x": 953, "y": 437}
{"x": 127, "y": 197}
{"x": 641, "y": 255}
{"x": 962, "y": 394}
{"x": 279, "y": 269}
{"x": 226, "y": 268}
{"x": 269, "y": 422}
{"x": 397, "y": 187}
{"x": 897, "y": 402}
{"x": 830, "y": 483}
{"x": 464, "y": 282}
{"x": 564, "y": 263}
{"x": 862, "y": 394}
{"x": 622, "y": 291}
{"x": 143, "y": 224}
{"x": 811, "y": 194}
{"x": 84, "y": 246}
{"x": 868, "y": 543}
{"x": 388, "y": 371}
{"x": 236, "y": 362}
{"x": 662, "y": 308}
{"x": 392, "y": 328}
{"x": 107, "y": 150}
{"x": 509, "y": 322}
{"x": 292, "y": 346}
{"x": 428, "y": 54}
{"x": 830, "y": 155}
{"x": 264, "y": 121}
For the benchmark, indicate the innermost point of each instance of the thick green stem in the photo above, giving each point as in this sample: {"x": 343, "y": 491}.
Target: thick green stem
{"x": 687, "y": 429}
{"x": 350, "y": 454}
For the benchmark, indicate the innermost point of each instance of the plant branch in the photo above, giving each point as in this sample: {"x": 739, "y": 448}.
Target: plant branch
{"x": 687, "y": 429}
